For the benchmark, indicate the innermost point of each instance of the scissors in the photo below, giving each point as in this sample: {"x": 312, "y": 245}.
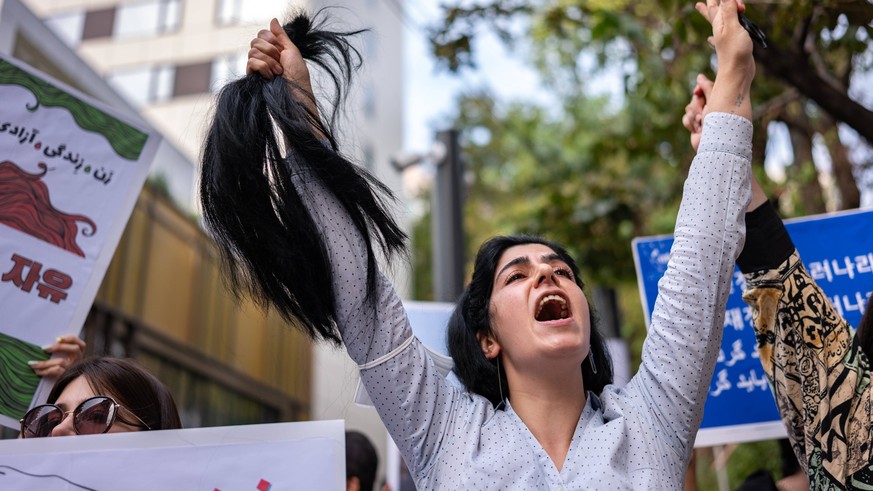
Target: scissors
{"x": 755, "y": 32}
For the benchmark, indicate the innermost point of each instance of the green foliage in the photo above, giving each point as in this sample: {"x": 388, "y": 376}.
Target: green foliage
{"x": 657, "y": 47}
{"x": 422, "y": 255}
{"x": 744, "y": 459}
{"x": 633, "y": 322}
{"x": 593, "y": 173}
{"x": 160, "y": 185}
{"x": 582, "y": 177}
{"x": 588, "y": 174}
{"x": 452, "y": 42}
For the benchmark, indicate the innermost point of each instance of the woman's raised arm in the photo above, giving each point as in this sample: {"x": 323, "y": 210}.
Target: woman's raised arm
{"x": 264, "y": 131}
{"x": 685, "y": 333}
{"x": 298, "y": 225}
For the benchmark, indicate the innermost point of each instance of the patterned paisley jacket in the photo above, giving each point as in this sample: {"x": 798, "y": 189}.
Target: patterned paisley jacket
{"x": 818, "y": 372}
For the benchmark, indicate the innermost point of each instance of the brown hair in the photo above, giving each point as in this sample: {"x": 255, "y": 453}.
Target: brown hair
{"x": 137, "y": 390}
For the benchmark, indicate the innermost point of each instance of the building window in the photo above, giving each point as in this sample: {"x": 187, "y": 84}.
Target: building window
{"x": 148, "y": 18}
{"x": 124, "y": 21}
{"x": 68, "y": 26}
{"x": 152, "y": 84}
{"x": 145, "y": 85}
{"x": 98, "y": 24}
{"x": 231, "y": 12}
{"x": 192, "y": 79}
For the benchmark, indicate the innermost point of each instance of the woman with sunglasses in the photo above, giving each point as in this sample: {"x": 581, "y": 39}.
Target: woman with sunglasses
{"x": 103, "y": 395}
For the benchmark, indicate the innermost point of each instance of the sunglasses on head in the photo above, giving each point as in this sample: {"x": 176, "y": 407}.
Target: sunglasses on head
{"x": 93, "y": 416}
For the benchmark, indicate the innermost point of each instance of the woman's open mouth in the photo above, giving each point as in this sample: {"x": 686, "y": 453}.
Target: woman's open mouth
{"x": 551, "y": 308}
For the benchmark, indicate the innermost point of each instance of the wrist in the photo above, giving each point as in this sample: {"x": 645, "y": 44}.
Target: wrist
{"x": 735, "y": 78}
{"x": 736, "y": 75}
{"x": 731, "y": 94}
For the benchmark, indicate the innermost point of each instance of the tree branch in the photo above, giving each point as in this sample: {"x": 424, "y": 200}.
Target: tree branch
{"x": 788, "y": 65}
{"x": 775, "y": 106}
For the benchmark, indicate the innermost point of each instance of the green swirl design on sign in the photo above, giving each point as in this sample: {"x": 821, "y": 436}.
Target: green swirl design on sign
{"x": 127, "y": 141}
{"x": 17, "y": 380}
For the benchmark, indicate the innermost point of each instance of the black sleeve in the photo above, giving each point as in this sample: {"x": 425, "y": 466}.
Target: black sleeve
{"x": 767, "y": 241}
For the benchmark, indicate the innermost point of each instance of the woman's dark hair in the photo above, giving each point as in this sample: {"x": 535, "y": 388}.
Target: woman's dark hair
{"x": 865, "y": 330}
{"x": 270, "y": 246}
{"x": 137, "y": 390}
{"x": 472, "y": 316}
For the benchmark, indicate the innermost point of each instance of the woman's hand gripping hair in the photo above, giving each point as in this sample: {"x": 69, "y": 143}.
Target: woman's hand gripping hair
{"x": 272, "y": 53}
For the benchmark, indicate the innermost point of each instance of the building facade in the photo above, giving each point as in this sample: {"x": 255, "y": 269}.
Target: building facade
{"x": 167, "y": 58}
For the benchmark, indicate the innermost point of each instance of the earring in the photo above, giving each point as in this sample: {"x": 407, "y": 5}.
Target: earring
{"x": 499, "y": 385}
{"x": 593, "y": 365}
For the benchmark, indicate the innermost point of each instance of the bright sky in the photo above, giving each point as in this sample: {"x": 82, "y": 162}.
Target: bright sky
{"x": 430, "y": 93}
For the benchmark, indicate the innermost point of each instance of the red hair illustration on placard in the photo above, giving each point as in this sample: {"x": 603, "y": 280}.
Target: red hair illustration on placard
{"x": 25, "y": 205}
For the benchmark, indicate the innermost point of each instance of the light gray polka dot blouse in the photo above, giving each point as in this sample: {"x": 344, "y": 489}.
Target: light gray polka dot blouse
{"x": 636, "y": 437}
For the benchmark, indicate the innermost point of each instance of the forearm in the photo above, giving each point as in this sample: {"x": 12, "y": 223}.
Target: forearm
{"x": 358, "y": 316}
{"x": 758, "y": 196}
{"x": 302, "y": 93}
{"x": 767, "y": 241}
{"x": 819, "y": 376}
{"x": 685, "y": 334}
{"x": 736, "y": 65}
{"x": 731, "y": 93}
{"x": 394, "y": 367}
{"x": 767, "y": 251}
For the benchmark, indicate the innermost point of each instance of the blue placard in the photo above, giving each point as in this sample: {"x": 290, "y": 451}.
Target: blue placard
{"x": 837, "y": 250}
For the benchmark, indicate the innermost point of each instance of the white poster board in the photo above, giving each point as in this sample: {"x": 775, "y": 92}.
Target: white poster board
{"x": 70, "y": 173}
{"x": 270, "y": 457}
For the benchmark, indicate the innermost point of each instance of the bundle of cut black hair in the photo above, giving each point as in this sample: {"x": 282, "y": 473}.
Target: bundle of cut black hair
{"x": 270, "y": 245}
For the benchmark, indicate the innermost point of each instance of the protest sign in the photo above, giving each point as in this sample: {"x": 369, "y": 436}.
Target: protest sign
{"x": 70, "y": 173}
{"x": 269, "y": 457}
{"x": 837, "y": 250}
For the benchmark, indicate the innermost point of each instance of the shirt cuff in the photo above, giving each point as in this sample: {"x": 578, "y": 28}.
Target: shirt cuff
{"x": 728, "y": 133}
{"x": 767, "y": 241}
